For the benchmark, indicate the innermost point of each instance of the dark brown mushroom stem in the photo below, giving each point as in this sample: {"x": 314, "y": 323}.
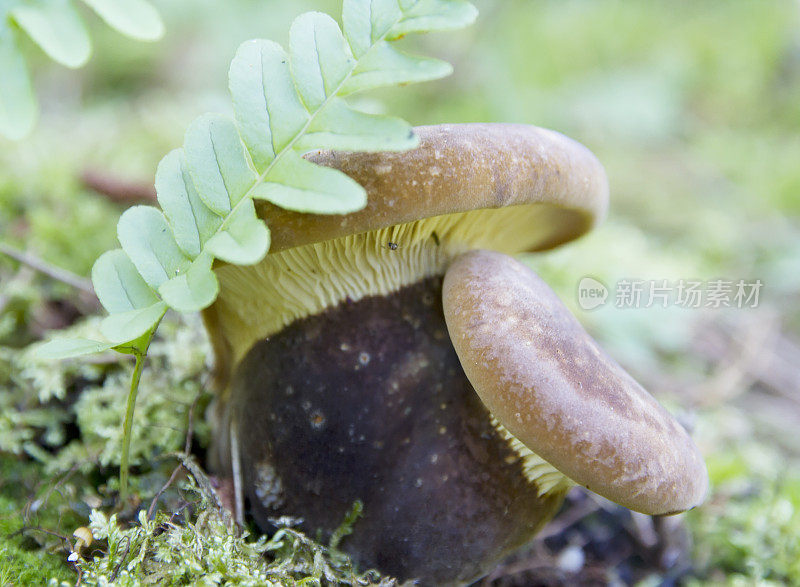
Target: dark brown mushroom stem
{"x": 368, "y": 401}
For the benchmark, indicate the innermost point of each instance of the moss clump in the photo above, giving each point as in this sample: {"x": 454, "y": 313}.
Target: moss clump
{"x": 201, "y": 546}
{"x": 747, "y": 532}
{"x": 28, "y": 555}
{"x": 67, "y": 414}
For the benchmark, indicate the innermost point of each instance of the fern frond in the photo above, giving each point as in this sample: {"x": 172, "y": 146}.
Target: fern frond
{"x": 285, "y": 105}
{"x": 57, "y": 28}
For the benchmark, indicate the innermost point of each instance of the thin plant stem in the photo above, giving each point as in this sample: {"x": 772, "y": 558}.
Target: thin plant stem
{"x": 128, "y": 425}
{"x": 48, "y": 269}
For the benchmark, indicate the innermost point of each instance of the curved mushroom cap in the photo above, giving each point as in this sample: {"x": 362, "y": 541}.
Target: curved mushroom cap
{"x": 504, "y": 187}
{"x": 460, "y": 168}
{"x": 555, "y": 390}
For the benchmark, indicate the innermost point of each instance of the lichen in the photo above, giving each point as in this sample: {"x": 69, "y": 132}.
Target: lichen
{"x": 43, "y": 399}
{"x": 201, "y": 546}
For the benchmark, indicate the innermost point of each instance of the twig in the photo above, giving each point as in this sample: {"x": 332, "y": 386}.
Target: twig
{"x": 48, "y": 269}
{"x": 190, "y": 464}
{"x": 118, "y": 567}
{"x": 51, "y": 490}
{"x": 747, "y": 352}
{"x": 186, "y": 448}
{"x": 569, "y": 517}
{"x": 119, "y": 190}
{"x": 151, "y": 511}
{"x": 26, "y": 529}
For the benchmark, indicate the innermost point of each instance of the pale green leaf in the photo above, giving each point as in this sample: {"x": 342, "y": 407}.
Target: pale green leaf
{"x": 192, "y": 222}
{"x": 320, "y": 57}
{"x": 127, "y": 326}
{"x": 193, "y": 290}
{"x": 57, "y": 28}
{"x": 147, "y": 239}
{"x": 340, "y": 127}
{"x": 299, "y": 185}
{"x": 245, "y": 239}
{"x": 65, "y": 348}
{"x": 217, "y": 162}
{"x": 118, "y": 285}
{"x": 134, "y": 18}
{"x": 17, "y": 101}
{"x": 268, "y": 110}
{"x": 422, "y": 16}
{"x": 386, "y": 66}
{"x": 367, "y": 21}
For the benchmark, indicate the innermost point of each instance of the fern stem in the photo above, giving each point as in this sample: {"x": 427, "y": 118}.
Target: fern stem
{"x": 128, "y": 424}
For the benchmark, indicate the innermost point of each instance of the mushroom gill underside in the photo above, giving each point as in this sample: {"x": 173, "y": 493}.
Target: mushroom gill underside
{"x": 259, "y": 300}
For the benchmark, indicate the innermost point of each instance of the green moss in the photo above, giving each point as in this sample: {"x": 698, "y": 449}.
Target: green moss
{"x": 21, "y": 567}
{"x": 42, "y": 398}
{"x": 204, "y": 548}
{"x": 747, "y": 533}
{"x": 28, "y": 555}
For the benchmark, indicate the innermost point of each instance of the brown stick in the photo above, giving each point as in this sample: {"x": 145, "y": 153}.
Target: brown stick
{"x": 51, "y": 271}
{"x": 119, "y": 190}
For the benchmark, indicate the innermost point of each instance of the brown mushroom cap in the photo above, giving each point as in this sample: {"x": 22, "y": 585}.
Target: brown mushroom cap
{"x": 504, "y": 187}
{"x": 460, "y": 168}
{"x": 556, "y": 391}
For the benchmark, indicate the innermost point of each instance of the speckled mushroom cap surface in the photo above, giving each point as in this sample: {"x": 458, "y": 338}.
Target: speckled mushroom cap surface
{"x": 503, "y": 187}
{"x": 557, "y": 392}
{"x": 459, "y": 168}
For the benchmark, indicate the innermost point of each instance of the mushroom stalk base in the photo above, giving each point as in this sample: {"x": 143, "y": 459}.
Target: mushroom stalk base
{"x": 368, "y": 401}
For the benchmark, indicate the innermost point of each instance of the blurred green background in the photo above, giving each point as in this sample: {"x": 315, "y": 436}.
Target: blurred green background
{"x": 693, "y": 108}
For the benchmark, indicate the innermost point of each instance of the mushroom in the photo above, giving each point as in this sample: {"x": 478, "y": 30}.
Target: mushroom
{"x": 548, "y": 383}
{"x": 83, "y": 538}
{"x": 385, "y": 357}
